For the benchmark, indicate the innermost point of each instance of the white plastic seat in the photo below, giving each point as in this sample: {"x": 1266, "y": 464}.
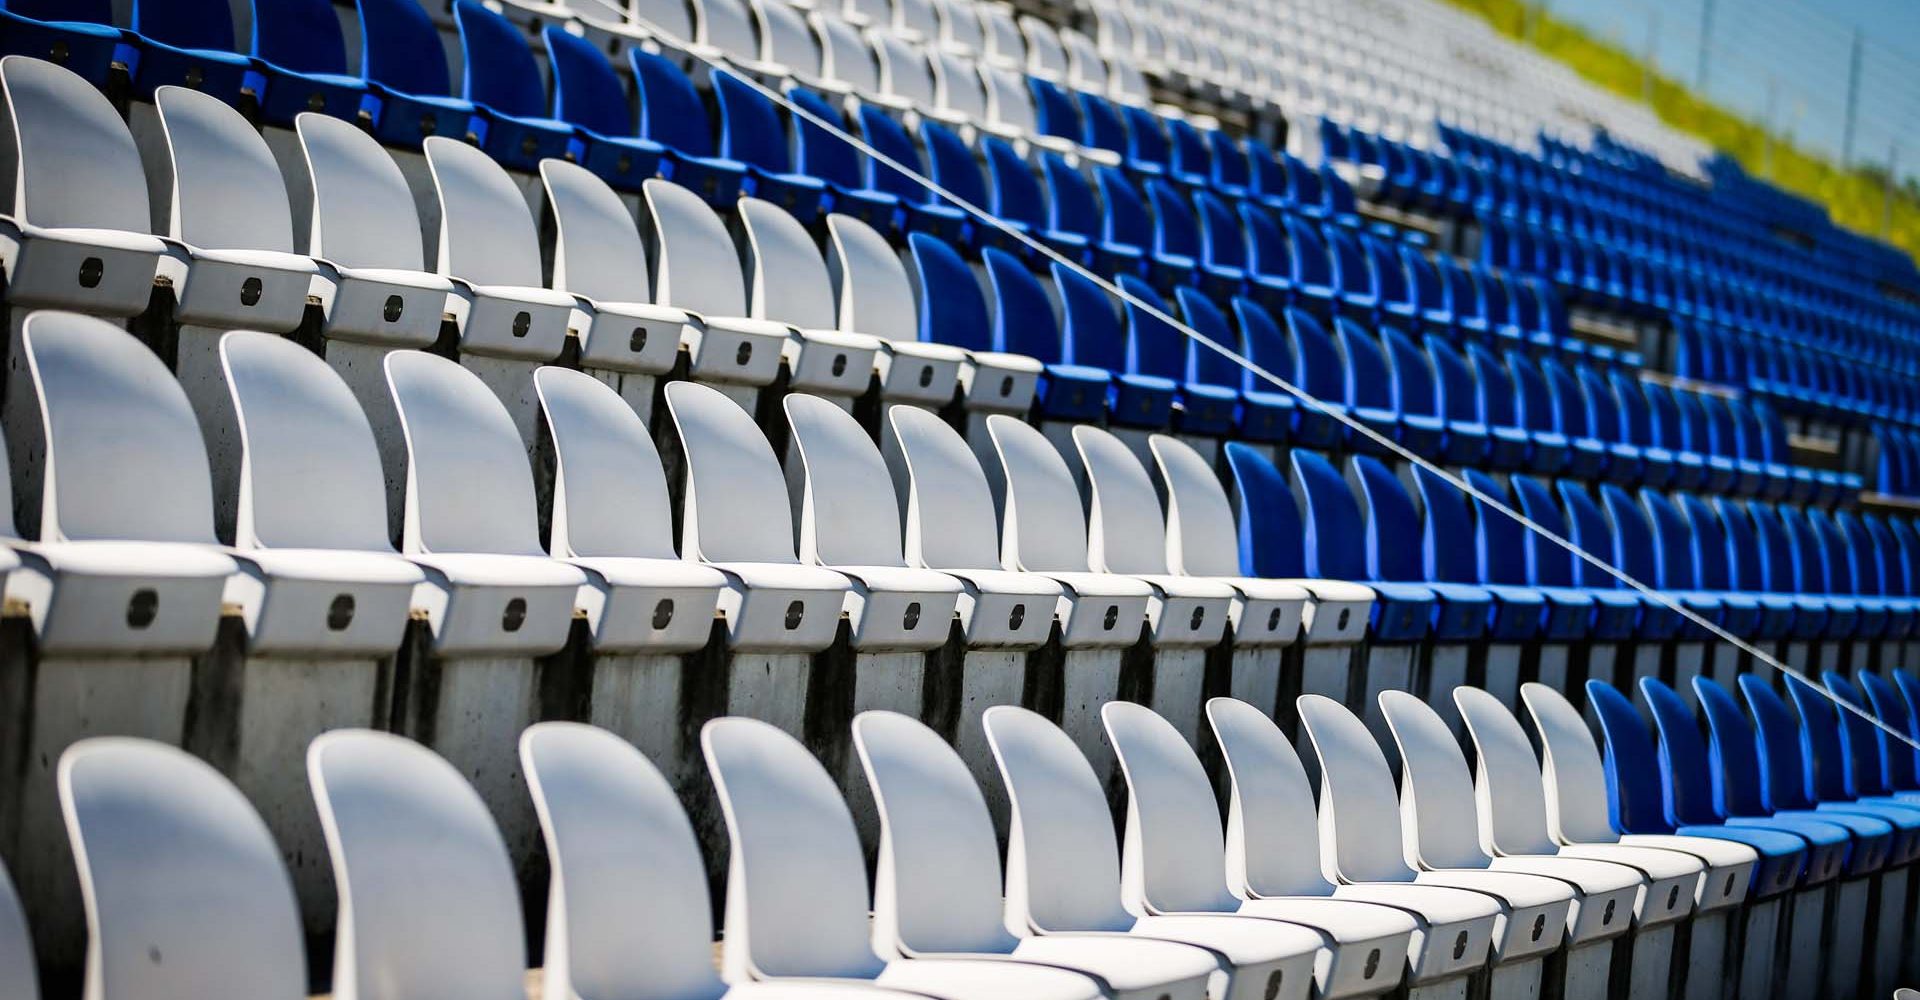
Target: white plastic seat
{"x": 1006, "y": 47}
{"x": 1063, "y": 866}
{"x": 1575, "y": 783}
{"x": 850, "y": 522}
{"x": 959, "y": 88}
{"x": 1201, "y": 540}
{"x": 1174, "y": 860}
{"x": 728, "y": 25}
{"x": 950, "y": 526}
{"x": 490, "y": 249}
{"x": 1360, "y": 837}
{"x": 875, "y": 296}
{"x": 786, "y": 39}
{"x": 1274, "y": 849}
{"x": 612, "y": 518}
{"x": 960, "y": 27}
{"x": 797, "y": 885}
{"x": 735, "y": 517}
{"x": 1127, "y": 534}
{"x": 1046, "y": 58}
{"x": 1010, "y": 109}
{"x": 18, "y": 978}
{"x": 222, "y": 196}
{"x": 318, "y": 574}
{"x": 697, "y": 269}
{"x": 938, "y": 892}
{"x": 1511, "y": 802}
{"x": 470, "y": 517}
{"x": 848, "y": 61}
{"x": 73, "y": 218}
{"x": 1442, "y": 832}
{"x": 1044, "y": 531}
{"x": 905, "y": 74}
{"x": 628, "y": 910}
{"x": 361, "y": 220}
{"x": 428, "y": 905}
{"x": 185, "y": 891}
{"x": 599, "y": 258}
{"x": 788, "y": 283}
{"x": 917, "y": 20}
{"x": 116, "y": 570}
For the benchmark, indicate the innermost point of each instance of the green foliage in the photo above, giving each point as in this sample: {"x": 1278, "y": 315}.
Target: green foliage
{"x": 1856, "y": 198}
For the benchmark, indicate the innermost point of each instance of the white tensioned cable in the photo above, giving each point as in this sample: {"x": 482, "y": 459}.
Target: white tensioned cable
{"x": 683, "y": 46}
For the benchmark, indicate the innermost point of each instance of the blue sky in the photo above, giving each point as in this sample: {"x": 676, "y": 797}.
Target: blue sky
{"x": 1797, "y": 50}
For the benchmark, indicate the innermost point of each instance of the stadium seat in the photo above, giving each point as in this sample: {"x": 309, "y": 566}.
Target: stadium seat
{"x": 1066, "y": 866}
{"x": 790, "y": 286}
{"x": 752, "y": 133}
{"x": 796, "y": 875}
{"x": 943, "y": 896}
{"x": 1175, "y": 841}
{"x": 612, "y": 520}
{"x": 77, "y": 36}
{"x": 427, "y": 893}
{"x": 300, "y": 63}
{"x": 174, "y": 862}
{"x": 589, "y": 95}
{"x": 772, "y": 601}
{"x": 951, "y": 312}
{"x": 672, "y": 114}
{"x": 696, "y": 268}
{"x": 502, "y": 80}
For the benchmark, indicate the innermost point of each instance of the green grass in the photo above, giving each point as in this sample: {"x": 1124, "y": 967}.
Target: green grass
{"x": 1856, "y": 196}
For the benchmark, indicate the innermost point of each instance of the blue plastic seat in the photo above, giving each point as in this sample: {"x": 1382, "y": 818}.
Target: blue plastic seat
{"x": 1232, "y": 164}
{"x": 1224, "y": 250}
{"x": 1780, "y": 561}
{"x": 76, "y": 34}
{"x": 1093, "y": 338}
{"x": 1015, "y": 196}
{"x": 951, "y": 165}
{"x": 1627, "y": 462}
{"x": 673, "y": 115}
{"x": 1497, "y": 406}
{"x": 1594, "y": 531}
{"x": 1176, "y": 236}
{"x": 1265, "y": 410}
{"x": 410, "y": 97}
{"x": 1688, "y": 548}
{"x": 1191, "y": 163}
{"x": 924, "y": 211}
{"x": 1883, "y": 568}
{"x": 1054, "y": 113}
{"x": 1428, "y": 292}
{"x": 1157, "y": 349}
{"x": 1127, "y": 222}
{"x": 1467, "y": 439}
{"x": 588, "y": 95}
{"x": 1368, "y": 394}
{"x": 1636, "y": 799}
{"x": 1416, "y": 401}
{"x": 1395, "y": 536}
{"x": 1395, "y": 294}
{"x": 1820, "y": 561}
{"x": 504, "y": 82}
{"x": 1319, "y": 372}
{"x": 1023, "y": 323}
{"x": 1148, "y": 151}
{"x": 1356, "y": 290}
{"x": 1899, "y": 763}
{"x": 1736, "y": 773}
{"x": 1403, "y": 610}
{"x": 185, "y": 43}
{"x": 1572, "y": 611}
{"x": 1263, "y": 342}
{"x": 1800, "y": 761}
{"x": 1465, "y": 299}
{"x": 300, "y": 59}
{"x": 1696, "y": 436}
{"x": 1458, "y": 540}
{"x": 1269, "y": 262}
{"x": 1727, "y": 558}
{"x": 836, "y": 162}
{"x": 1535, "y": 410}
{"x": 1073, "y": 208}
{"x": 1863, "y": 768}
{"x": 1272, "y": 176}
{"x": 1310, "y": 267}
{"x": 752, "y": 132}
{"x": 1634, "y": 553}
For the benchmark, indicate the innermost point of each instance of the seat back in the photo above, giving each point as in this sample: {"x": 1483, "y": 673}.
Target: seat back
{"x": 735, "y": 503}
{"x": 952, "y": 308}
{"x": 1635, "y": 768}
{"x": 1548, "y": 565}
{"x": 1090, "y": 329}
{"x": 1786, "y": 773}
{"x": 487, "y": 235}
{"x": 461, "y": 447}
{"x": 937, "y": 887}
{"x": 870, "y": 284}
{"x": 1508, "y": 794}
{"x": 1063, "y": 866}
{"x": 586, "y": 90}
{"x": 1392, "y": 523}
{"x": 751, "y": 129}
{"x": 1023, "y": 319}
{"x": 1043, "y": 527}
{"x": 786, "y": 38}
{"x": 628, "y": 909}
{"x": 1448, "y": 542}
{"x": 1271, "y": 824}
{"x": 1154, "y": 346}
{"x": 1126, "y": 532}
{"x": 301, "y": 35}
{"x": 1174, "y": 855}
{"x": 1201, "y": 538}
{"x": 796, "y": 881}
{"x": 696, "y": 267}
{"x": 1573, "y": 778}
{"x": 1732, "y": 754}
{"x": 948, "y": 505}
{"x": 728, "y": 26}
{"x": 311, "y": 474}
{"x": 1822, "y": 743}
{"x": 671, "y": 112}
{"x": 609, "y": 494}
{"x": 393, "y": 34}
{"x": 427, "y": 898}
{"x": 498, "y": 70}
{"x": 1368, "y": 380}
{"x": 597, "y": 251}
{"x": 112, "y": 415}
{"x": 816, "y": 151}
{"x": 173, "y": 863}
{"x": 1437, "y": 798}
{"x": 786, "y": 279}
{"x": 1332, "y": 519}
{"x": 71, "y": 163}
{"x": 903, "y": 69}
{"x": 1360, "y": 827}
{"x": 219, "y": 185}
{"x": 362, "y": 214}
{"x": 1896, "y": 757}
{"x": 1683, "y": 756}
{"x": 848, "y": 513}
